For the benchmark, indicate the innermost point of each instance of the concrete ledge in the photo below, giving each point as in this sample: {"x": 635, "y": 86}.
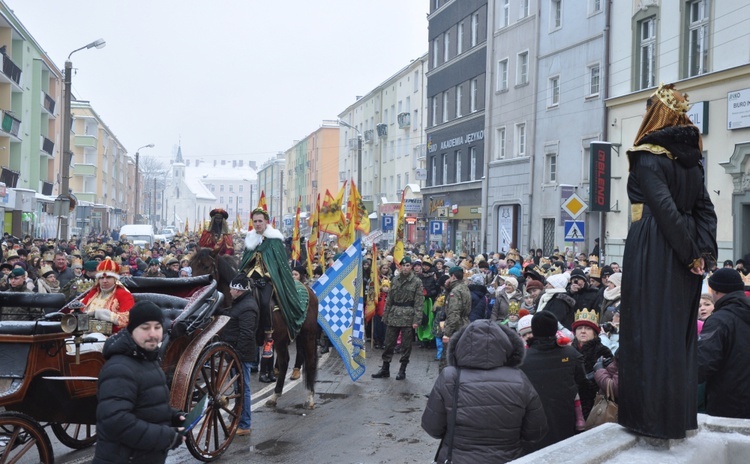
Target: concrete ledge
{"x": 718, "y": 440}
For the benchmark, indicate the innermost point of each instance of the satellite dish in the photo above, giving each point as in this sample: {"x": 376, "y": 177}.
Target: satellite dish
{"x": 69, "y": 323}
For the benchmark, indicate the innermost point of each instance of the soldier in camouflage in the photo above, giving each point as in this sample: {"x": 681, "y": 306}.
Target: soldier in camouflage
{"x": 403, "y": 313}
{"x": 457, "y": 308}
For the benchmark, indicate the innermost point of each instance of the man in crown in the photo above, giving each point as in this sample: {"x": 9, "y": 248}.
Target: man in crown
{"x": 217, "y": 237}
{"x": 265, "y": 263}
{"x": 108, "y": 300}
{"x": 670, "y": 244}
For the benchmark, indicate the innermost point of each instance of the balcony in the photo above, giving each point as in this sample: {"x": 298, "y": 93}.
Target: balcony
{"x": 48, "y": 146}
{"x": 353, "y": 144}
{"x": 369, "y": 136}
{"x": 86, "y": 196}
{"x": 48, "y": 103}
{"x": 10, "y": 124}
{"x": 11, "y": 72}
{"x": 85, "y": 141}
{"x": 382, "y": 130}
{"x": 404, "y": 120}
{"x": 85, "y": 170}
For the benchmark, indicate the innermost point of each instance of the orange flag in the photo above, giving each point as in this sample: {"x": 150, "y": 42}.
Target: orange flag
{"x": 398, "y": 248}
{"x": 262, "y": 201}
{"x": 331, "y": 219}
{"x": 295, "y": 232}
{"x": 361, "y": 217}
{"x": 187, "y": 229}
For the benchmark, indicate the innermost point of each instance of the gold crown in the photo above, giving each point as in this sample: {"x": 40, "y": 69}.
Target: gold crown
{"x": 45, "y": 270}
{"x": 586, "y": 315}
{"x": 595, "y": 271}
{"x": 667, "y": 94}
{"x": 513, "y": 308}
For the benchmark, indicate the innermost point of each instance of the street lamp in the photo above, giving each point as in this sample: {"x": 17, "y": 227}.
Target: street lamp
{"x": 137, "y": 191}
{"x": 359, "y": 153}
{"x": 67, "y": 157}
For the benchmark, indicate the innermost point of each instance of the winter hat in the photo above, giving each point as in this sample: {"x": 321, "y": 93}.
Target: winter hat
{"x": 405, "y": 260}
{"x": 512, "y": 281}
{"x": 616, "y": 279}
{"x": 587, "y": 318}
{"x": 477, "y": 279}
{"x": 457, "y": 271}
{"x": 524, "y": 325}
{"x": 726, "y": 280}
{"x": 142, "y": 312}
{"x": 533, "y": 284}
{"x": 17, "y": 272}
{"x": 90, "y": 266}
{"x": 544, "y": 324}
{"x": 557, "y": 280}
{"x": 385, "y": 283}
{"x": 523, "y": 313}
{"x": 578, "y": 273}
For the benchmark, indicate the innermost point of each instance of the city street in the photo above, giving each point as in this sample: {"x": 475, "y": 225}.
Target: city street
{"x": 367, "y": 421}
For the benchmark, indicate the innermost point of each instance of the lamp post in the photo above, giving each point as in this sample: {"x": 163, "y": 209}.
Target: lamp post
{"x": 137, "y": 180}
{"x": 67, "y": 157}
{"x": 359, "y": 159}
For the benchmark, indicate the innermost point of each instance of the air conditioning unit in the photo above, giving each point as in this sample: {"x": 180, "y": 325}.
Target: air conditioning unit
{"x": 382, "y": 130}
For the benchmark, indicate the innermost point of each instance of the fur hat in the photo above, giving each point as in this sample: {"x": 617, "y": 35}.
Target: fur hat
{"x": 587, "y": 318}
{"x": 477, "y": 279}
{"x": 533, "y": 284}
{"x": 142, "y": 312}
{"x": 108, "y": 268}
{"x": 726, "y": 280}
{"x": 544, "y": 324}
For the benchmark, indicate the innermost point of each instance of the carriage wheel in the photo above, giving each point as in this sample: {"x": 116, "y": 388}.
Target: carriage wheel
{"x": 22, "y": 439}
{"x": 218, "y": 374}
{"x": 76, "y": 436}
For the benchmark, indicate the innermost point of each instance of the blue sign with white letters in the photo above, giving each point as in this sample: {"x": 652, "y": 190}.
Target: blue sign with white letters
{"x": 387, "y": 222}
{"x": 436, "y": 227}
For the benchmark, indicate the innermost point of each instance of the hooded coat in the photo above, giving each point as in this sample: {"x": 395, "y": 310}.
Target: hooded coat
{"x": 479, "y": 302}
{"x": 134, "y": 421}
{"x": 724, "y": 357}
{"x": 498, "y": 408}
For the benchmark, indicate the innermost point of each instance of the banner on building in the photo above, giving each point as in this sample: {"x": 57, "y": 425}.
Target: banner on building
{"x": 600, "y": 176}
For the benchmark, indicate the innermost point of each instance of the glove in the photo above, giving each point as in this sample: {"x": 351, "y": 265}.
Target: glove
{"x": 177, "y": 440}
{"x": 601, "y": 363}
{"x": 105, "y": 315}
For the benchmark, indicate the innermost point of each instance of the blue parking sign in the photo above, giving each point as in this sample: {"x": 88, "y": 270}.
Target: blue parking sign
{"x": 436, "y": 227}
{"x": 387, "y": 222}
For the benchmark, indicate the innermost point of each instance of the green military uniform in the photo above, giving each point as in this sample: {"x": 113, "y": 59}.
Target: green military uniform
{"x": 403, "y": 309}
{"x": 457, "y": 309}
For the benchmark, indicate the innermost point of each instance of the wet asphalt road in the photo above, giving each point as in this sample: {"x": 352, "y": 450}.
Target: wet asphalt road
{"x": 367, "y": 421}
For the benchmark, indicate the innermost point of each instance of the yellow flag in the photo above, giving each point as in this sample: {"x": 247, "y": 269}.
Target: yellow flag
{"x": 295, "y": 232}
{"x": 361, "y": 217}
{"x": 262, "y": 201}
{"x": 347, "y": 237}
{"x": 398, "y": 248}
{"x": 373, "y": 295}
{"x": 312, "y": 240}
{"x": 331, "y": 218}
{"x": 187, "y": 229}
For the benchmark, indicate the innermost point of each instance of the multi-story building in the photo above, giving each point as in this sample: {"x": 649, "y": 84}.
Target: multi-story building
{"x": 456, "y": 121}
{"x": 271, "y": 183}
{"x": 30, "y": 131}
{"x": 100, "y": 171}
{"x": 390, "y": 120}
{"x": 702, "y": 46}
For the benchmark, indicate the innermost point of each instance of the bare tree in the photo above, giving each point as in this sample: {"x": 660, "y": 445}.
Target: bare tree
{"x": 153, "y": 178}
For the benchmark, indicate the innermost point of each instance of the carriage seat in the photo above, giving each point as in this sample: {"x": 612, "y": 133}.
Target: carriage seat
{"x": 171, "y": 306}
{"x": 29, "y": 327}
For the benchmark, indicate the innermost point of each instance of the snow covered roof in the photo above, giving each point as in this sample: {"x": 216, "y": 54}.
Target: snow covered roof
{"x": 201, "y": 192}
{"x": 209, "y": 172}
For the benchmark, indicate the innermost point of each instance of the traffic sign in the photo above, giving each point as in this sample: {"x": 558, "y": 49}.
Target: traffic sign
{"x": 574, "y": 205}
{"x": 574, "y": 231}
{"x": 387, "y": 220}
{"x": 436, "y": 230}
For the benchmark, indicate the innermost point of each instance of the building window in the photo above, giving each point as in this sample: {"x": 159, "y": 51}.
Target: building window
{"x": 551, "y": 168}
{"x": 242, "y": 188}
{"x": 524, "y": 8}
{"x": 392, "y": 149}
{"x": 460, "y": 39}
{"x": 446, "y": 46}
{"x": 555, "y": 14}
{"x": 594, "y": 81}
{"x": 521, "y": 139}
{"x": 647, "y": 53}
{"x": 445, "y": 168}
{"x": 398, "y": 181}
{"x": 458, "y": 165}
{"x": 435, "y": 52}
{"x": 596, "y": 6}
{"x": 434, "y": 111}
{"x": 523, "y": 68}
{"x": 554, "y": 92}
{"x": 406, "y": 178}
{"x": 221, "y": 188}
{"x": 503, "y": 14}
{"x": 459, "y": 98}
{"x": 445, "y": 106}
{"x": 416, "y": 81}
{"x": 474, "y": 94}
{"x": 500, "y": 143}
{"x": 472, "y": 163}
{"x": 502, "y": 75}
{"x": 474, "y": 29}
{"x": 433, "y": 170}
{"x": 415, "y": 121}
{"x": 221, "y": 200}
{"x": 698, "y": 11}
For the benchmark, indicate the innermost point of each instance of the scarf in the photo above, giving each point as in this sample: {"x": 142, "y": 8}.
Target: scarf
{"x": 612, "y": 294}
{"x": 548, "y": 295}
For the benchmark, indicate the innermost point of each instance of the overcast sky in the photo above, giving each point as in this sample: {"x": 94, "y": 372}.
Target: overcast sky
{"x": 228, "y": 78}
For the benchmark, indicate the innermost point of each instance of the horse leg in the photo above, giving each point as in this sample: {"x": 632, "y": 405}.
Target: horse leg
{"x": 309, "y": 335}
{"x": 281, "y": 344}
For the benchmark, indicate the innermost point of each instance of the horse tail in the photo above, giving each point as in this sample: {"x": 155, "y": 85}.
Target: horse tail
{"x": 309, "y": 337}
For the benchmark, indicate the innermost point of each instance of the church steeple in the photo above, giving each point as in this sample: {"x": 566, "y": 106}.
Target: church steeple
{"x": 178, "y": 158}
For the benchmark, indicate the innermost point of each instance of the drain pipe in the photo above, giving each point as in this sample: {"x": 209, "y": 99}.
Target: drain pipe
{"x": 605, "y": 121}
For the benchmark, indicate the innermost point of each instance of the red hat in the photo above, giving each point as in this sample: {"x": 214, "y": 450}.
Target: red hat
{"x": 108, "y": 268}
{"x": 219, "y": 211}
{"x": 587, "y": 318}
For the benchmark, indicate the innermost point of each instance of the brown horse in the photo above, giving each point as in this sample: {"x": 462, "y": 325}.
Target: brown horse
{"x": 223, "y": 271}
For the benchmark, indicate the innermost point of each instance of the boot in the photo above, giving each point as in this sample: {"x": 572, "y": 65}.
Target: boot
{"x": 384, "y": 372}
{"x": 295, "y": 374}
{"x": 401, "y": 372}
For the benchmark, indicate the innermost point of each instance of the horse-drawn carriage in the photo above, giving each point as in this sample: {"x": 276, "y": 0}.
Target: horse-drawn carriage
{"x": 48, "y": 377}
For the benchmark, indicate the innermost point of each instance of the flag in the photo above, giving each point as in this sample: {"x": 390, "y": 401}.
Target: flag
{"x": 373, "y": 294}
{"x": 398, "y": 248}
{"x": 187, "y": 229}
{"x": 273, "y": 222}
{"x": 339, "y": 292}
{"x": 347, "y": 237}
{"x": 312, "y": 240}
{"x": 295, "y": 233}
{"x": 238, "y": 224}
{"x": 331, "y": 218}
{"x": 262, "y": 201}
{"x": 361, "y": 217}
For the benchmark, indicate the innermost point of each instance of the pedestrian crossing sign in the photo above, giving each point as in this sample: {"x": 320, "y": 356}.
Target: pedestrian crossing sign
{"x": 574, "y": 231}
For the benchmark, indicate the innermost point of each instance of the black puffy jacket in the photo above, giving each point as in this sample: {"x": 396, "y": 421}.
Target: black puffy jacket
{"x": 134, "y": 421}
{"x": 479, "y": 303}
{"x": 240, "y": 330}
{"x": 498, "y": 408}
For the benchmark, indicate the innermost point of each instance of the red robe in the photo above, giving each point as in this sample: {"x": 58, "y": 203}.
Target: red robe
{"x": 223, "y": 246}
{"x": 119, "y": 302}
